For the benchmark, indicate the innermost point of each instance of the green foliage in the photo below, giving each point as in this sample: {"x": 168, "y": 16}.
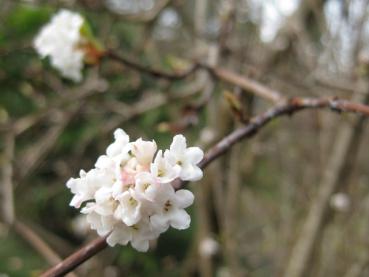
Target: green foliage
{"x": 14, "y": 102}
{"x": 23, "y": 21}
{"x": 21, "y": 24}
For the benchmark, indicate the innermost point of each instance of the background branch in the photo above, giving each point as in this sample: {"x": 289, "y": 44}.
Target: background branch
{"x": 7, "y": 194}
{"x": 220, "y": 73}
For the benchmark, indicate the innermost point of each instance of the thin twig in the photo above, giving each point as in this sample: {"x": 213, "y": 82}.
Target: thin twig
{"x": 245, "y": 83}
{"x": 91, "y": 86}
{"x": 77, "y": 258}
{"x": 288, "y": 108}
{"x": 151, "y": 71}
{"x": 35, "y": 153}
{"x": 225, "y": 75}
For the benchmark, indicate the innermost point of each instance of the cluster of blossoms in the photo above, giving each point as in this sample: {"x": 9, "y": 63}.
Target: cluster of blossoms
{"x": 129, "y": 193}
{"x": 65, "y": 40}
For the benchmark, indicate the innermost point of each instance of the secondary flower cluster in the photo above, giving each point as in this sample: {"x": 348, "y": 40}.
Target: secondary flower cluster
{"x": 129, "y": 193}
{"x": 61, "y": 40}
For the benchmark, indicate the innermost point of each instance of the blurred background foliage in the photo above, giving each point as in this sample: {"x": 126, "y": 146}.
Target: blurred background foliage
{"x": 30, "y": 89}
{"x": 253, "y": 203}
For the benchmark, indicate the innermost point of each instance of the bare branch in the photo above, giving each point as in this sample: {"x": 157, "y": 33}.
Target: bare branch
{"x": 223, "y": 74}
{"x": 91, "y": 86}
{"x": 150, "y": 71}
{"x": 77, "y": 258}
{"x": 33, "y": 155}
{"x": 245, "y": 83}
{"x": 292, "y": 106}
{"x": 249, "y": 130}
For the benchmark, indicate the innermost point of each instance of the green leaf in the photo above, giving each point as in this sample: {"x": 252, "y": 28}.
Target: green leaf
{"x": 86, "y": 32}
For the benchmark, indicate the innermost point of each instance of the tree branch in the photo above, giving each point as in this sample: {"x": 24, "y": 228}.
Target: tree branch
{"x": 77, "y": 258}
{"x": 291, "y": 106}
{"x": 288, "y": 108}
{"x": 245, "y": 83}
{"x": 174, "y": 76}
{"x": 220, "y": 73}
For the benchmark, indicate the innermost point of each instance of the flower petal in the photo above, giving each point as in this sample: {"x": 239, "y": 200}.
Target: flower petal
{"x": 76, "y": 201}
{"x": 140, "y": 245}
{"x": 144, "y": 151}
{"x": 184, "y": 198}
{"x": 180, "y": 219}
{"x": 104, "y": 162}
{"x": 191, "y": 173}
{"x": 120, "y": 236}
{"x": 178, "y": 144}
{"x": 159, "y": 222}
{"x": 194, "y": 155}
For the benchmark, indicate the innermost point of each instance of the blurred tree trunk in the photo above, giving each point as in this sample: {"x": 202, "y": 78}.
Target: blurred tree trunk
{"x": 342, "y": 151}
{"x": 205, "y": 264}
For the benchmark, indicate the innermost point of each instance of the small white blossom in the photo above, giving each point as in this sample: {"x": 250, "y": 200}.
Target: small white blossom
{"x": 121, "y": 140}
{"x": 102, "y": 224}
{"x": 85, "y": 187}
{"x": 105, "y": 204}
{"x": 164, "y": 168}
{"x": 144, "y": 151}
{"x": 130, "y": 197}
{"x": 147, "y": 187}
{"x": 186, "y": 158}
{"x": 138, "y": 234}
{"x": 61, "y": 40}
{"x": 170, "y": 209}
{"x": 129, "y": 208}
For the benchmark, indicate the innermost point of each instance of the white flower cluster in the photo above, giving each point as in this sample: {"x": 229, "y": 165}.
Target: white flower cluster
{"x": 61, "y": 40}
{"x": 129, "y": 193}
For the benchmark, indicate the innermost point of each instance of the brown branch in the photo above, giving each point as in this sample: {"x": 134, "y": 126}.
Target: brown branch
{"x": 174, "y": 76}
{"x": 225, "y": 75}
{"x": 245, "y": 83}
{"x": 34, "y": 154}
{"x": 77, "y": 258}
{"x": 288, "y": 108}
